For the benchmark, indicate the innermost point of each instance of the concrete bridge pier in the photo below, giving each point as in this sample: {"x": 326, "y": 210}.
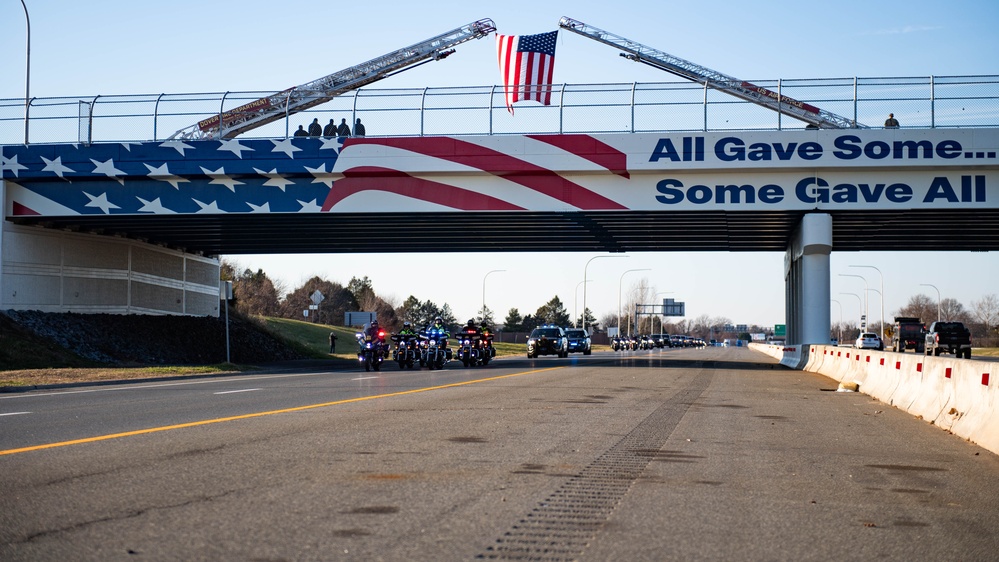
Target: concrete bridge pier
{"x": 806, "y": 281}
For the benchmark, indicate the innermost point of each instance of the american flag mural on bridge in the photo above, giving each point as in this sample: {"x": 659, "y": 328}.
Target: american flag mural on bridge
{"x": 307, "y": 175}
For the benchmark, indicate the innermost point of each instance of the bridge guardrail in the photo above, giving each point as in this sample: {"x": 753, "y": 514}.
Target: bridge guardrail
{"x": 917, "y": 102}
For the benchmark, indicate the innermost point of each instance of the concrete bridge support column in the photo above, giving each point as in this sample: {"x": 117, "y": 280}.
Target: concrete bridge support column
{"x": 806, "y": 277}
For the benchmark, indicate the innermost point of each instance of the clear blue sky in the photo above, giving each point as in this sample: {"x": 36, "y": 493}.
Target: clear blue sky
{"x": 129, "y": 47}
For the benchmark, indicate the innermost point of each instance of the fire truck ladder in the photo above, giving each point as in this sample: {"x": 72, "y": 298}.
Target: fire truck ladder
{"x": 738, "y": 88}
{"x": 277, "y": 106}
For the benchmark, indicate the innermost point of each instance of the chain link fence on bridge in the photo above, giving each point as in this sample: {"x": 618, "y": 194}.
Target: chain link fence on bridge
{"x": 917, "y": 102}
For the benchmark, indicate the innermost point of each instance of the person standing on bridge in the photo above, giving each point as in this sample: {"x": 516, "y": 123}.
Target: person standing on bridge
{"x": 344, "y": 129}
{"x": 330, "y": 129}
{"x": 358, "y": 128}
{"x": 301, "y": 132}
{"x": 315, "y": 129}
{"x": 891, "y": 122}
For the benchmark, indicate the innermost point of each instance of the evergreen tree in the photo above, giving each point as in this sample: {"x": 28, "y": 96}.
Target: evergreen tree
{"x": 553, "y": 312}
{"x": 514, "y": 322}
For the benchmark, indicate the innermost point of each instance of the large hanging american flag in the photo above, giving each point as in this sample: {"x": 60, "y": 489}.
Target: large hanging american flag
{"x": 527, "y": 63}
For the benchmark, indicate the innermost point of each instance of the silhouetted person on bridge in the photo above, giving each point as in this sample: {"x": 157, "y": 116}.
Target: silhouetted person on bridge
{"x": 358, "y": 129}
{"x": 344, "y": 129}
{"x": 330, "y": 130}
{"x": 891, "y": 122}
{"x": 301, "y": 132}
{"x": 315, "y": 129}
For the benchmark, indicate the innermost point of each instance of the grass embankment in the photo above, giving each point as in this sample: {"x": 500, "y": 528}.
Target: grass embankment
{"x": 29, "y": 361}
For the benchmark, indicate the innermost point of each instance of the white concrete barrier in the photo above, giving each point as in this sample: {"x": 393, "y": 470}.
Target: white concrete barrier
{"x": 957, "y": 395}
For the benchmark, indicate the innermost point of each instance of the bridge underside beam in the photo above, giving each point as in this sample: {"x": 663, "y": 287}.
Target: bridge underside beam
{"x": 605, "y": 231}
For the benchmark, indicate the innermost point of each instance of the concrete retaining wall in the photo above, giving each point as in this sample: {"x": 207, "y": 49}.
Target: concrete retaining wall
{"x": 57, "y": 271}
{"x": 957, "y": 395}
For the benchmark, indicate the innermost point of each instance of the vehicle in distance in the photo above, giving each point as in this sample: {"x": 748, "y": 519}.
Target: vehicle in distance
{"x": 579, "y": 341}
{"x": 909, "y": 333}
{"x": 547, "y": 340}
{"x": 948, "y": 337}
{"x": 868, "y": 340}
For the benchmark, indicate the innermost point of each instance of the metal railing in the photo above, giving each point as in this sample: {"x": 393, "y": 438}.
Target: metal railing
{"x": 917, "y": 102}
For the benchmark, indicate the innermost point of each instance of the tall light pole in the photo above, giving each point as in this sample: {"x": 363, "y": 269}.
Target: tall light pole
{"x": 661, "y": 316}
{"x": 619, "y": 284}
{"x": 575, "y": 302}
{"x": 859, "y": 300}
{"x": 882, "y": 293}
{"x": 867, "y": 309}
{"x": 585, "y": 276}
{"x": 938, "y": 298}
{"x": 484, "y": 290}
{"x": 27, "y": 71}
{"x": 839, "y": 332}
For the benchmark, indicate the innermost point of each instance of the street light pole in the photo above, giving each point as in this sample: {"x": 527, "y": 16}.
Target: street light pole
{"x": 661, "y": 315}
{"x": 882, "y": 293}
{"x": 938, "y": 298}
{"x": 620, "y": 282}
{"x": 585, "y": 276}
{"x": 867, "y": 309}
{"x": 839, "y": 332}
{"x": 484, "y": 291}
{"x": 859, "y": 300}
{"x": 575, "y": 302}
{"x": 27, "y": 71}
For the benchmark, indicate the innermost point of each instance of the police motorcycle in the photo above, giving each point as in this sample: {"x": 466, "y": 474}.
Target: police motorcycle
{"x": 407, "y": 347}
{"x": 372, "y": 348}
{"x": 617, "y": 344}
{"x": 488, "y": 351}
{"x": 435, "y": 350}
{"x": 470, "y": 346}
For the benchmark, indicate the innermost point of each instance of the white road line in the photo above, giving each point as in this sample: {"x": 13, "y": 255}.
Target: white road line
{"x": 235, "y": 391}
{"x": 140, "y": 386}
{"x": 363, "y": 378}
{"x": 15, "y": 414}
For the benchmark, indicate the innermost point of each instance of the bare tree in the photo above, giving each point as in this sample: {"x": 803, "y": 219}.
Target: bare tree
{"x": 954, "y": 311}
{"x": 986, "y": 311}
{"x": 919, "y": 306}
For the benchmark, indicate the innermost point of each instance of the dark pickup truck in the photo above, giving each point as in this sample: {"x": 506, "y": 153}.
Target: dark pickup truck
{"x": 948, "y": 337}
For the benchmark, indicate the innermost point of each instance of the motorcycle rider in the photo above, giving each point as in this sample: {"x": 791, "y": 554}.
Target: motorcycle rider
{"x": 377, "y": 336}
{"x": 407, "y": 329}
{"x": 471, "y": 329}
{"x": 438, "y": 327}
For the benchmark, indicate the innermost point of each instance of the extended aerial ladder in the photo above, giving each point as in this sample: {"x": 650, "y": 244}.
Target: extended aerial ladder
{"x": 293, "y": 100}
{"x": 721, "y": 82}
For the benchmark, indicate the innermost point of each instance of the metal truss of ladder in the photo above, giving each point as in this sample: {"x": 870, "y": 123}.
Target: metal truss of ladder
{"x": 696, "y": 73}
{"x": 293, "y": 100}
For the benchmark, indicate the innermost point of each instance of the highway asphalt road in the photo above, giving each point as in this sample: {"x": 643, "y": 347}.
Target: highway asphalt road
{"x": 698, "y": 454}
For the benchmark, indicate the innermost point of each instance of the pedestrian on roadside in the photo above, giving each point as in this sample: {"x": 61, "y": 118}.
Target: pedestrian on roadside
{"x": 332, "y": 342}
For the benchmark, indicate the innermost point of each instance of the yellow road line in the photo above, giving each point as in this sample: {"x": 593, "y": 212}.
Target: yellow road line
{"x": 260, "y": 414}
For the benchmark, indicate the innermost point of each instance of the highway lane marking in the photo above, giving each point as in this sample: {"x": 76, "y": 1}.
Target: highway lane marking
{"x": 15, "y": 414}
{"x": 126, "y": 386}
{"x": 363, "y": 378}
{"x": 267, "y": 413}
{"x": 235, "y": 391}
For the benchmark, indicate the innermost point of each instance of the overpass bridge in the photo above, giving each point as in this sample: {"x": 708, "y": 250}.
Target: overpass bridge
{"x": 137, "y": 226}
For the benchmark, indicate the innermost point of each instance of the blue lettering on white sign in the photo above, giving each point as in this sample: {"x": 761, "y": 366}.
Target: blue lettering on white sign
{"x": 846, "y": 147}
{"x": 813, "y": 189}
